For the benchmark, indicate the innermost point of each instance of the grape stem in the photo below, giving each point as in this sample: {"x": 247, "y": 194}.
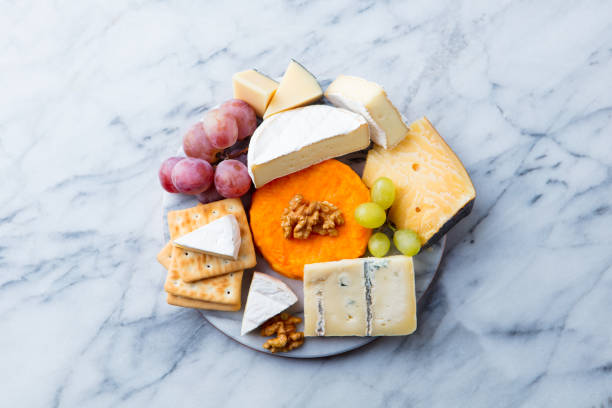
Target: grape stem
{"x": 234, "y": 154}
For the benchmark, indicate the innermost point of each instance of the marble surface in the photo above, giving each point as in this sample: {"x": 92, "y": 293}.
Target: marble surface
{"x": 95, "y": 94}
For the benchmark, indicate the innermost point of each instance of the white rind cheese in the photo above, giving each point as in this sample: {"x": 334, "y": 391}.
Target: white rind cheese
{"x": 268, "y": 297}
{"x": 360, "y": 297}
{"x": 220, "y": 237}
{"x": 369, "y": 100}
{"x": 293, "y": 140}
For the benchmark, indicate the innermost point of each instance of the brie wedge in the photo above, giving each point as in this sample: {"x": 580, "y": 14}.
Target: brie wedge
{"x": 297, "y": 88}
{"x": 268, "y": 297}
{"x": 293, "y": 140}
{"x": 220, "y": 237}
{"x": 370, "y": 100}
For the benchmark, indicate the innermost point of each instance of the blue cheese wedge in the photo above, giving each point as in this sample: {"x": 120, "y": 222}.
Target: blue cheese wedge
{"x": 360, "y": 297}
{"x": 268, "y": 297}
{"x": 220, "y": 237}
{"x": 293, "y": 140}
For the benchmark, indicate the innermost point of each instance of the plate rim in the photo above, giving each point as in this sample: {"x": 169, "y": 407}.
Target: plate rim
{"x": 425, "y": 295}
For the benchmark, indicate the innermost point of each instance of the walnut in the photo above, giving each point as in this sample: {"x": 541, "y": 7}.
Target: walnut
{"x": 283, "y": 326}
{"x": 301, "y": 218}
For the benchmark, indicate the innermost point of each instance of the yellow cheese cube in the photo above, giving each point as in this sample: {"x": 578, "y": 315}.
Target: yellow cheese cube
{"x": 254, "y": 88}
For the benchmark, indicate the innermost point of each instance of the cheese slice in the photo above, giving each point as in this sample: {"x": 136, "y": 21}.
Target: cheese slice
{"x": 370, "y": 100}
{"x": 293, "y": 140}
{"x": 220, "y": 237}
{"x": 360, "y": 297}
{"x": 433, "y": 190}
{"x": 254, "y": 88}
{"x": 297, "y": 88}
{"x": 268, "y": 297}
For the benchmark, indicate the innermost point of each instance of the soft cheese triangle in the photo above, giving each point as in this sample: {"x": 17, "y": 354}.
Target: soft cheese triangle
{"x": 293, "y": 140}
{"x": 268, "y": 297}
{"x": 220, "y": 237}
{"x": 370, "y": 100}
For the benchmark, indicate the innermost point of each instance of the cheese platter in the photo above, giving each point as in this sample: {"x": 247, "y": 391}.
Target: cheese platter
{"x": 304, "y": 223}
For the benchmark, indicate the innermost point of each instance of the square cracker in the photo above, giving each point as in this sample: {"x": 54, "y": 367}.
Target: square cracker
{"x": 217, "y": 293}
{"x": 193, "y": 266}
{"x": 200, "y": 304}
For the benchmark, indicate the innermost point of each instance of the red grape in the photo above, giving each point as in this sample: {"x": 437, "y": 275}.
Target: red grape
{"x": 192, "y": 176}
{"x": 221, "y": 128}
{"x": 165, "y": 173}
{"x": 232, "y": 179}
{"x": 209, "y": 195}
{"x": 244, "y": 115}
{"x": 196, "y": 144}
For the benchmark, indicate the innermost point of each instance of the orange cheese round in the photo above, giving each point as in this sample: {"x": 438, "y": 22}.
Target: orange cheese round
{"x": 330, "y": 181}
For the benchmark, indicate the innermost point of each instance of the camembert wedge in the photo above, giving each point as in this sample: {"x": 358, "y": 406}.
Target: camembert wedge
{"x": 220, "y": 237}
{"x": 296, "y": 139}
{"x": 254, "y": 88}
{"x": 297, "y": 88}
{"x": 268, "y": 297}
{"x": 433, "y": 190}
{"x": 360, "y": 297}
{"x": 369, "y": 100}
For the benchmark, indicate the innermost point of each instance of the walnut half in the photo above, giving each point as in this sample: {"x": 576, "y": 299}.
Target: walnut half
{"x": 282, "y": 326}
{"x": 302, "y": 218}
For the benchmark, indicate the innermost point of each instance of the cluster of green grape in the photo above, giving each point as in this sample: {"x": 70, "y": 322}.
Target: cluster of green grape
{"x": 373, "y": 215}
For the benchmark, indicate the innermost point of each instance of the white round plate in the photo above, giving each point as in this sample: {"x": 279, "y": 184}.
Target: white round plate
{"x": 425, "y": 267}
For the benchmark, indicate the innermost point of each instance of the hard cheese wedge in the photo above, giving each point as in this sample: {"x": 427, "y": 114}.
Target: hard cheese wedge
{"x": 299, "y": 138}
{"x": 254, "y": 88}
{"x": 433, "y": 190}
{"x": 297, "y": 88}
{"x": 360, "y": 297}
{"x": 268, "y": 297}
{"x": 220, "y": 237}
{"x": 370, "y": 100}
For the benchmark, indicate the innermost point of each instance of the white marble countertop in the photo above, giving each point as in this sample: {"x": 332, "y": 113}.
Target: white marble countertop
{"x": 94, "y": 95}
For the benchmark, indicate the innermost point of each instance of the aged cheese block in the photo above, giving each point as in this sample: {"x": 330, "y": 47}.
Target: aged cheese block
{"x": 297, "y": 88}
{"x": 254, "y": 88}
{"x": 360, "y": 297}
{"x": 296, "y": 139}
{"x": 369, "y": 100}
{"x": 433, "y": 190}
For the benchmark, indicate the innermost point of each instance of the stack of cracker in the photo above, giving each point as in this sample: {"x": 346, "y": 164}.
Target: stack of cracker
{"x": 204, "y": 281}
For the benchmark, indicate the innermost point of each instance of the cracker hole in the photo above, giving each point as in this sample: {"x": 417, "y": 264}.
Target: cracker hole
{"x": 186, "y": 253}
{"x": 417, "y": 209}
{"x": 415, "y": 166}
{"x": 231, "y": 275}
{"x": 196, "y": 216}
{"x": 208, "y": 266}
{"x": 228, "y": 292}
{"x": 214, "y": 212}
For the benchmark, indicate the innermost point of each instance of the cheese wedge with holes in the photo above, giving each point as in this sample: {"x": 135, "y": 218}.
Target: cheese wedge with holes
{"x": 293, "y": 140}
{"x": 220, "y": 237}
{"x": 360, "y": 297}
{"x": 370, "y": 100}
{"x": 254, "y": 88}
{"x": 433, "y": 190}
{"x": 268, "y": 297}
{"x": 297, "y": 88}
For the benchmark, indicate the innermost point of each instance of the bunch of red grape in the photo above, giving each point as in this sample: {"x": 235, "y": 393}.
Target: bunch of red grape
{"x": 218, "y": 131}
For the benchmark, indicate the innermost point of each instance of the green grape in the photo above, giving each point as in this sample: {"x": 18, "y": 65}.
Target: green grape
{"x": 379, "y": 244}
{"x": 383, "y": 192}
{"x": 407, "y": 242}
{"x": 370, "y": 215}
